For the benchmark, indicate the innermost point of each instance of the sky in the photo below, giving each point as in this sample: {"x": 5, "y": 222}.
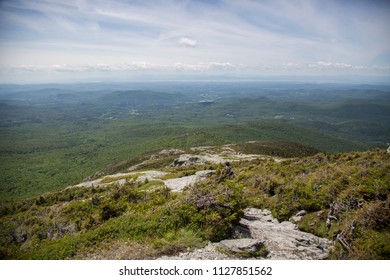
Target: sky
{"x": 45, "y": 41}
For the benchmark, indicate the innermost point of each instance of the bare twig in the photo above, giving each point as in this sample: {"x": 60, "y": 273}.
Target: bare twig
{"x": 344, "y": 244}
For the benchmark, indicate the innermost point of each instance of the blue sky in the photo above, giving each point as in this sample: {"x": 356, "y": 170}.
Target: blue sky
{"x": 118, "y": 40}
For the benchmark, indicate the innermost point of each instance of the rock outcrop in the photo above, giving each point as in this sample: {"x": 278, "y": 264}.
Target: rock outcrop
{"x": 189, "y": 160}
{"x": 298, "y": 216}
{"x": 178, "y": 184}
{"x": 242, "y": 246}
{"x": 283, "y": 240}
{"x": 259, "y": 230}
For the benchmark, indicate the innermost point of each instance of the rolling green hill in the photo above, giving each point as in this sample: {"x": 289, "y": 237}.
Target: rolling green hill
{"x": 56, "y": 135}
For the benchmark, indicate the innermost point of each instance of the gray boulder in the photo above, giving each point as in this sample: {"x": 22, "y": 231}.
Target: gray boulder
{"x": 242, "y": 245}
{"x": 298, "y": 216}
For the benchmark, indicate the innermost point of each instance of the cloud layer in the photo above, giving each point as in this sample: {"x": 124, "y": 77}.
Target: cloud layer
{"x": 221, "y": 36}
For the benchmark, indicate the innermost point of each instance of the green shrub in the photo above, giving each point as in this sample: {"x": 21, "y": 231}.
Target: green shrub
{"x": 111, "y": 210}
{"x": 174, "y": 242}
{"x": 371, "y": 245}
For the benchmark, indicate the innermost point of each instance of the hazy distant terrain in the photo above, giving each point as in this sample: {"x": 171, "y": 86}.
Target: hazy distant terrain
{"x": 56, "y": 135}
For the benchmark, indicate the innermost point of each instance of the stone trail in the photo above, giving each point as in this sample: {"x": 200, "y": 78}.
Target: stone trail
{"x": 257, "y": 229}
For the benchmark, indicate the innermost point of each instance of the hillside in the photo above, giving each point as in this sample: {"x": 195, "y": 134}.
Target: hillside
{"x": 177, "y": 201}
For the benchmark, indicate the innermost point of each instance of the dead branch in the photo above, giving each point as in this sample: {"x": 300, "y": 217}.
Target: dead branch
{"x": 344, "y": 244}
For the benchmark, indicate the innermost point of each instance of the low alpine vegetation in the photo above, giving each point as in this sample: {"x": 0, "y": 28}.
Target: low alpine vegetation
{"x": 346, "y": 197}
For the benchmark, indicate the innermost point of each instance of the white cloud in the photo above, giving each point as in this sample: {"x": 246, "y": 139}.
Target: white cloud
{"x": 335, "y": 65}
{"x": 144, "y": 70}
{"x": 187, "y": 42}
{"x": 382, "y": 68}
{"x": 28, "y": 68}
{"x": 212, "y": 66}
{"x": 208, "y": 66}
{"x": 187, "y": 67}
{"x": 101, "y": 67}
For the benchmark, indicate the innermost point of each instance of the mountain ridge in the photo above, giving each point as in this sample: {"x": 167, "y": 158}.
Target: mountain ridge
{"x": 129, "y": 213}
